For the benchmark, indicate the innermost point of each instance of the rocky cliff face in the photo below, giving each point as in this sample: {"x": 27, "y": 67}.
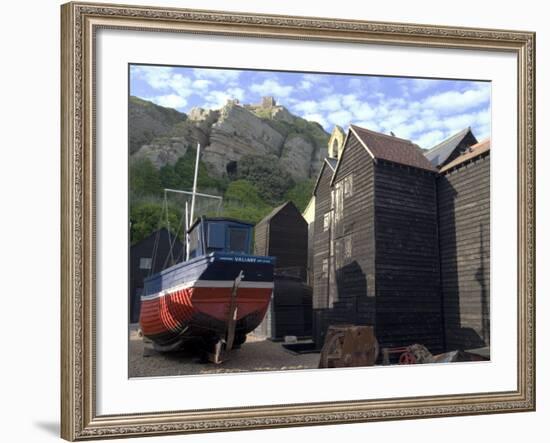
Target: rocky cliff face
{"x": 228, "y": 134}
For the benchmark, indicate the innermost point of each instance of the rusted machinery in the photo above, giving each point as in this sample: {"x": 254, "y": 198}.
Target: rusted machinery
{"x": 349, "y": 346}
{"x": 418, "y": 354}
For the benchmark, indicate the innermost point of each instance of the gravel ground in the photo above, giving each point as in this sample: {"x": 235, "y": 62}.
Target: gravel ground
{"x": 254, "y": 355}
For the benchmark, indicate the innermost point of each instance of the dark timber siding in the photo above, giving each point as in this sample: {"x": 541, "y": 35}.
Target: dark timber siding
{"x": 464, "y": 219}
{"x": 284, "y": 235}
{"x": 408, "y": 301}
{"x": 320, "y": 252}
{"x": 162, "y": 260}
{"x": 350, "y": 298}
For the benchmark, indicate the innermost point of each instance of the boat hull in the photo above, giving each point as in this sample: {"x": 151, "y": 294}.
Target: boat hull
{"x": 193, "y": 299}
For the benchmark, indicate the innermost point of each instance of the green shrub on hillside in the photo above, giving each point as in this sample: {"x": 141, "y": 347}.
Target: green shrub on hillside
{"x": 144, "y": 178}
{"x": 267, "y": 175}
{"x": 147, "y": 216}
{"x": 300, "y": 194}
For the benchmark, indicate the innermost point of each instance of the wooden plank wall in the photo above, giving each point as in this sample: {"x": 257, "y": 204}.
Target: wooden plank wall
{"x": 288, "y": 239}
{"x": 320, "y": 252}
{"x": 347, "y": 294}
{"x": 408, "y": 300}
{"x": 355, "y": 277}
{"x": 464, "y": 219}
{"x": 261, "y": 237}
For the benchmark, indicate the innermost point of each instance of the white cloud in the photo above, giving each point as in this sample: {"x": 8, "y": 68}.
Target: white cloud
{"x": 272, "y": 87}
{"x": 342, "y": 117}
{"x": 429, "y": 139}
{"x": 458, "y": 101}
{"x": 164, "y": 78}
{"x": 202, "y": 84}
{"x": 217, "y": 99}
{"x": 422, "y": 84}
{"x": 307, "y": 106}
{"x": 174, "y": 101}
{"x": 305, "y": 85}
{"x": 331, "y": 103}
{"x": 316, "y": 118}
{"x": 220, "y": 75}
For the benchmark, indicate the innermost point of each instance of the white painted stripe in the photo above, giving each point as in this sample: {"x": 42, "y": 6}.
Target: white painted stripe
{"x": 208, "y": 284}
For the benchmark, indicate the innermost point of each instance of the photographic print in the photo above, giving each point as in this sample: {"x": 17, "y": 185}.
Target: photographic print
{"x": 293, "y": 221}
{"x": 301, "y": 220}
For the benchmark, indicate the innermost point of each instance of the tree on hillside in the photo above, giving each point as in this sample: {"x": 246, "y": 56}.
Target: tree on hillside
{"x": 267, "y": 174}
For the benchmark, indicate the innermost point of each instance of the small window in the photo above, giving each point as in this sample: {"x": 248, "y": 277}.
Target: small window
{"x": 326, "y": 222}
{"x": 347, "y": 247}
{"x": 216, "y": 235}
{"x": 145, "y": 263}
{"x": 324, "y": 271}
{"x": 348, "y": 186}
{"x": 238, "y": 240}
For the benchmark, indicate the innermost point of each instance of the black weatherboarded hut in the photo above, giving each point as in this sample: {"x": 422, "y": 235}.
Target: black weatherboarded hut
{"x": 401, "y": 241}
{"x": 154, "y": 253}
{"x": 283, "y": 234}
{"x": 464, "y": 236}
{"x": 376, "y": 257}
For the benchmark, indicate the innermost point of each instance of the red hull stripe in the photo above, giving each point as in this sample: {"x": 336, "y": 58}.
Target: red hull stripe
{"x": 209, "y": 284}
{"x": 174, "y": 311}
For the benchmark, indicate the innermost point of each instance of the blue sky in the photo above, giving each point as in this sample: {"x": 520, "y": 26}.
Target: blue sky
{"x": 425, "y": 111}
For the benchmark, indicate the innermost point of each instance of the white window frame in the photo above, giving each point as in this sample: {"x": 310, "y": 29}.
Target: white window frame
{"x": 145, "y": 263}
{"x": 324, "y": 268}
{"x": 348, "y": 186}
{"x": 326, "y": 222}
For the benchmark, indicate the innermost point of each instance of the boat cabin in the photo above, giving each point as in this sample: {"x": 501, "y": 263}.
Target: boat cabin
{"x": 227, "y": 235}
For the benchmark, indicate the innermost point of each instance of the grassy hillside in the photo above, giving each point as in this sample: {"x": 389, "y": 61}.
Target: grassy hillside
{"x": 259, "y": 185}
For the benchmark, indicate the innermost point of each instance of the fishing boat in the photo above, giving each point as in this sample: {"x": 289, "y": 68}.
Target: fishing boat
{"x": 218, "y": 293}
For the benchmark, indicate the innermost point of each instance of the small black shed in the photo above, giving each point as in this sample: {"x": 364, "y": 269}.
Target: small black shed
{"x": 283, "y": 233}
{"x": 147, "y": 257}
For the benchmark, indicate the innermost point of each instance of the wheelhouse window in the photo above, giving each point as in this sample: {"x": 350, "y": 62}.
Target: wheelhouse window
{"x": 238, "y": 240}
{"x": 216, "y": 236}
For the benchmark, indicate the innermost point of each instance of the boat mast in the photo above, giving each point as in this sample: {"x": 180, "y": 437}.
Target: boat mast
{"x": 189, "y": 221}
{"x": 186, "y": 230}
{"x": 195, "y": 184}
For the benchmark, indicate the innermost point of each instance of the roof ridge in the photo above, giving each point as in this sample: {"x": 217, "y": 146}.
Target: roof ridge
{"x": 392, "y": 137}
{"x": 442, "y": 142}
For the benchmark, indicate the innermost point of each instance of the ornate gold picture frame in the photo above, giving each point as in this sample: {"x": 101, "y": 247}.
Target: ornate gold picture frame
{"x": 80, "y": 23}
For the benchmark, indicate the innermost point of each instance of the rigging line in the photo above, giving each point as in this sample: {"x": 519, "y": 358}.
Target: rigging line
{"x": 172, "y": 243}
{"x": 171, "y": 252}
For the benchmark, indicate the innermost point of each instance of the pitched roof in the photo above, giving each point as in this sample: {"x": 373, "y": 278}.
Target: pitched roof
{"x": 472, "y": 152}
{"x": 276, "y": 210}
{"x": 332, "y": 163}
{"x": 442, "y": 151}
{"x": 393, "y": 149}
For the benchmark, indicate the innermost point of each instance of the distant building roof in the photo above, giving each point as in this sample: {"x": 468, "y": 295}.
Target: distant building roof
{"x": 472, "y": 152}
{"x": 221, "y": 219}
{"x": 276, "y": 210}
{"x": 439, "y": 154}
{"x": 309, "y": 212}
{"x": 393, "y": 149}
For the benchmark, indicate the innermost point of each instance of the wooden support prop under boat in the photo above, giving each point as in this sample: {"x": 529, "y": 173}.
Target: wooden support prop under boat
{"x": 223, "y": 346}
